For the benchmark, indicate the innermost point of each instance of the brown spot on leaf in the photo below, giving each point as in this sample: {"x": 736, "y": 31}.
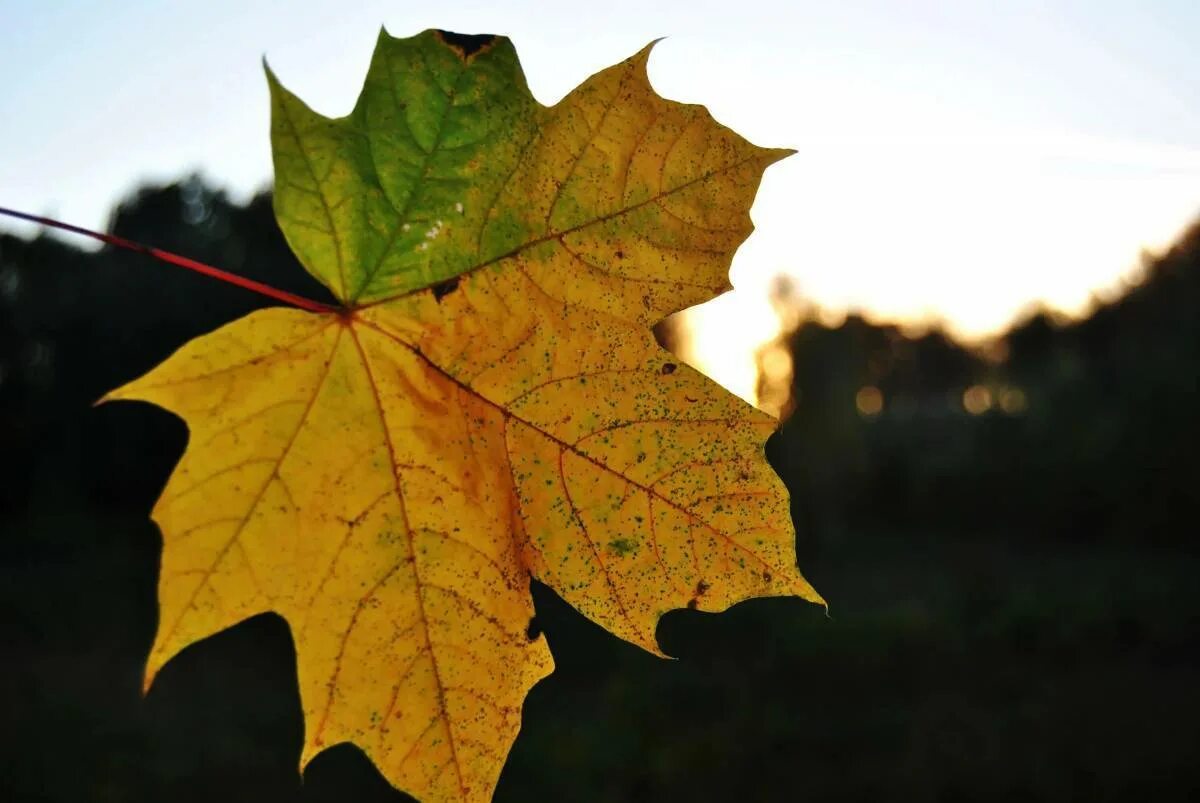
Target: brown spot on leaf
{"x": 443, "y": 289}
{"x": 669, "y": 368}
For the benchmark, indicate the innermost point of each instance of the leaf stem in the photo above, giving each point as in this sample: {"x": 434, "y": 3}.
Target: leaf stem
{"x": 180, "y": 261}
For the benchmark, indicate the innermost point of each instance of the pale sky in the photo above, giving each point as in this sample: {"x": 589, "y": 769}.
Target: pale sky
{"x": 958, "y": 161}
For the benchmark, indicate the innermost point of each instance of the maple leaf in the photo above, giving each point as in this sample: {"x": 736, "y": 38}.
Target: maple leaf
{"x": 488, "y": 404}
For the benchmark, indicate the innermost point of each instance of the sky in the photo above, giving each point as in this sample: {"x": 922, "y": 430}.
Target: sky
{"x": 957, "y": 162}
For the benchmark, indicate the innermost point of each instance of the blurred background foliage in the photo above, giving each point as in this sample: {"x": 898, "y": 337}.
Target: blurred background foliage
{"x": 1083, "y": 431}
{"x": 1006, "y": 536}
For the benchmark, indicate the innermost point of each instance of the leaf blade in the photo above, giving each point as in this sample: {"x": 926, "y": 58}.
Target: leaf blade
{"x": 421, "y": 657}
{"x": 489, "y": 406}
{"x": 626, "y": 412}
{"x": 395, "y": 202}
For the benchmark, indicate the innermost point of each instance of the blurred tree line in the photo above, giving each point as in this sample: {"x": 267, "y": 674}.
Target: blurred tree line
{"x": 75, "y": 323}
{"x": 1084, "y": 430}
{"x": 1003, "y": 538}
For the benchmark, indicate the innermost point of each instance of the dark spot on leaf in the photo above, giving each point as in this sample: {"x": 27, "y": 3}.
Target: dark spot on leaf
{"x": 443, "y": 289}
{"x": 620, "y": 254}
{"x": 690, "y": 399}
{"x": 533, "y": 630}
{"x": 692, "y": 604}
{"x": 466, "y": 44}
{"x": 701, "y": 587}
{"x": 669, "y": 368}
{"x": 766, "y": 577}
{"x": 621, "y": 546}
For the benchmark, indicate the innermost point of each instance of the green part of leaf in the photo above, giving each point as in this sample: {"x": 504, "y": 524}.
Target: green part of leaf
{"x": 396, "y": 196}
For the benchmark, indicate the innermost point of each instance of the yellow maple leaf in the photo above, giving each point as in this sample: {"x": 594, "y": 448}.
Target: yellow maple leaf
{"x": 488, "y": 405}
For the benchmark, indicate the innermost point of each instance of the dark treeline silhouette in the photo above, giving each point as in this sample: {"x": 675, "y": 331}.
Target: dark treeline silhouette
{"x": 72, "y": 322}
{"x": 1013, "y": 594}
{"x": 1085, "y": 431}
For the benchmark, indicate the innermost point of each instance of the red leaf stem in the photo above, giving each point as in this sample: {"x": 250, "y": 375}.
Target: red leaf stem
{"x": 180, "y": 261}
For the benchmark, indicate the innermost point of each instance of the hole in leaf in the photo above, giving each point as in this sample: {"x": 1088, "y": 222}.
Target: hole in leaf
{"x": 466, "y": 44}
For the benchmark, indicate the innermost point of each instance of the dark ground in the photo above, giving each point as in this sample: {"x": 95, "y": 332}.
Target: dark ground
{"x": 1014, "y": 602}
